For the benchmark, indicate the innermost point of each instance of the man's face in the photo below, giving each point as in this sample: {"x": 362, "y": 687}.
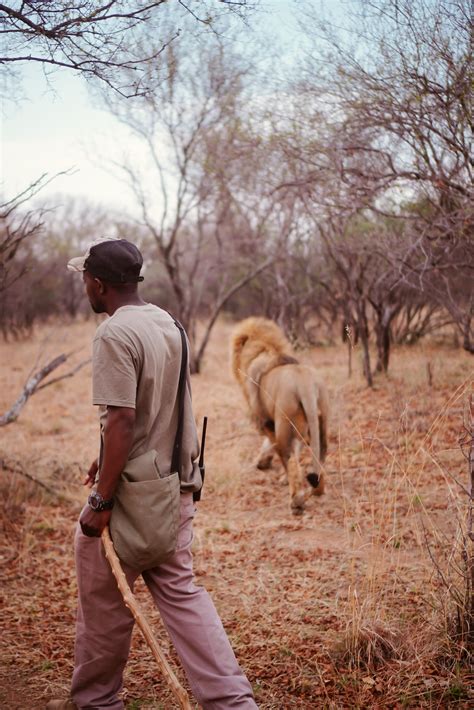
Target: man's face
{"x": 94, "y": 290}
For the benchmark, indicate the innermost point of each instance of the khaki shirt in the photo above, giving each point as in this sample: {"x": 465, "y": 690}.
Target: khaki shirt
{"x": 136, "y": 362}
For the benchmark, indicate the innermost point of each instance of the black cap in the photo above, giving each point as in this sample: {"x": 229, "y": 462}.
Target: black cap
{"x": 116, "y": 261}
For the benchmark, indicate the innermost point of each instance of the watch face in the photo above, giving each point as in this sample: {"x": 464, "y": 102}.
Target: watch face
{"x": 97, "y": 503}
{"x": 95, "y": 499}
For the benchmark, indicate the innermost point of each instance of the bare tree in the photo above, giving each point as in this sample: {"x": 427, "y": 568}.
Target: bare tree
{"x": 403, "y": 93}
{"x": 195, "y": 195}
{"x": 398, "y": 86}
{"x": 376, "y": 147}
{"x": 17, "y": 225}
{"x": 108, "y": 40}
{"x": 36, "y": 242}
{"x": 418, "y": 318}
{"x": 20, "y": 223}
{"x": 68, "y": 229}
{"x": 445, "y": 271}
{"x": 34, "y": 383}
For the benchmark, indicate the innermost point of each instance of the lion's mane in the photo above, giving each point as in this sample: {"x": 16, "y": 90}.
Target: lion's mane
{"x": 258, "y": 339}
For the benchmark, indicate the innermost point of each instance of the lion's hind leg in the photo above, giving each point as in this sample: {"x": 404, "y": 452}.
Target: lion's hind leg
{"x": 301, "y": 489}
{"x": 265, "y": 456}
{"x": 314, "y": 401}
{"x": 284, "y": 443}
{"x": 312, "y": 476}
{"x": 323, "y": 401}
{"x": 316, "y": 481}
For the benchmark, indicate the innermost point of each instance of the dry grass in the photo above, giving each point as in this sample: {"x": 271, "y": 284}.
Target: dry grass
{"x": 341, "y": 608}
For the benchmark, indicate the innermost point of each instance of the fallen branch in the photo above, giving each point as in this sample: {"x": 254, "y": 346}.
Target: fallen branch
{"x": 71, "y": 373}
{"x": 130, "y": 601}
{"x": 18, "y": 468}
{"x": 33, "y": 385}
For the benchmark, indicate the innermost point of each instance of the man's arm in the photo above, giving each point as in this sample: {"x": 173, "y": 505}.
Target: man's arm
{"x": 117, "y": 441}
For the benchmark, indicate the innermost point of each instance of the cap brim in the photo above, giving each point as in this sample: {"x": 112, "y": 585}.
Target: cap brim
{"x": 77, "y": 264}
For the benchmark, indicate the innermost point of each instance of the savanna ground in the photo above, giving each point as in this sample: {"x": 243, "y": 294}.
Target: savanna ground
{"x": 343, "y": 607}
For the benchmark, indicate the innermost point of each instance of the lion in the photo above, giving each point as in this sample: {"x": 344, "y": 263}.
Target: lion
{"x": 287, "y": 405}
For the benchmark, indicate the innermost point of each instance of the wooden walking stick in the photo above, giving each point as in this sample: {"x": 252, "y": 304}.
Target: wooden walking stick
{"x": 130, "y": 601}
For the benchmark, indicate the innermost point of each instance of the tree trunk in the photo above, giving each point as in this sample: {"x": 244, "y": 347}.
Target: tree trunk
{"x": 470, "y": 535}
{"x": 383, "y": 339}
{"x": 196, "y": 357}
{"x": 349, "y": 357}
{"x": 466, "y": 330}
{"x": 383, "y": 333}
{"x": 363, "y": 330}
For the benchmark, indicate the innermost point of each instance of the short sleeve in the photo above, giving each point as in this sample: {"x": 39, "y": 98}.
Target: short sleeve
{"x": 114, "y": 378}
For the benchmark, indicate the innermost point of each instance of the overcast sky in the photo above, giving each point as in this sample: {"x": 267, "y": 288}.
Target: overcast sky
{"x": 56, "y": 127}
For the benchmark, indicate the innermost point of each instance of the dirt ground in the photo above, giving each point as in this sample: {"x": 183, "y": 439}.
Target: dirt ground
{"x": 344, "y": 607}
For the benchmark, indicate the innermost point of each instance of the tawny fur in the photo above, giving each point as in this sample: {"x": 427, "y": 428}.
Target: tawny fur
{"x": 287, "y": 404}
{"x": 254, "y": 337}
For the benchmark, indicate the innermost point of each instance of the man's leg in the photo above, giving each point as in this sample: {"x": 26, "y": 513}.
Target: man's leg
{"x": 103, "y": 631}
{"x": 195, "y": 627}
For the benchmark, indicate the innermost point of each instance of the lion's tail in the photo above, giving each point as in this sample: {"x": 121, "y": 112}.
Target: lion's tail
{"x": 323, "y": 420}
{"x": 314, "y": 401}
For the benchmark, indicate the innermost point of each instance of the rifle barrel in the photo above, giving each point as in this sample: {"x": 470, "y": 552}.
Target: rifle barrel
{"x": 203, "y": 442}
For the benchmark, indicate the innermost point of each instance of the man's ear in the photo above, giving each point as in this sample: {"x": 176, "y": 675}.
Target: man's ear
{"x": 100, "y": 285}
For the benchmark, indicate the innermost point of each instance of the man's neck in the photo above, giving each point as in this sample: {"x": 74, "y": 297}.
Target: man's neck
{"x": 120, "y": 301}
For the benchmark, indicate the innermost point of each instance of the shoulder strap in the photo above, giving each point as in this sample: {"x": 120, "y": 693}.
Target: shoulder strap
{"x": 176, "y": 457}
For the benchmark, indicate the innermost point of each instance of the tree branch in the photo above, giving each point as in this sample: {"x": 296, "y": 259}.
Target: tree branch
{"x": 33, "y": 385}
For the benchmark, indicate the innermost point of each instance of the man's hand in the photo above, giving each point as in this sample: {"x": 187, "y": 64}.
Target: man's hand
{"x": 93, "y": 523}
{"x": 91, "y": 474}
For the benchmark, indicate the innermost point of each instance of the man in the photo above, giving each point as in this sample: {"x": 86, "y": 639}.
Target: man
{"x": 135, "y": 371}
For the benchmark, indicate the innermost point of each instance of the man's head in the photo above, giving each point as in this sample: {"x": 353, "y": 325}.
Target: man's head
{"x": 109, "y": 267}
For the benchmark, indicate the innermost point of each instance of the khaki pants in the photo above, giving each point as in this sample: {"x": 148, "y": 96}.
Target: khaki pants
{"x": 104, "y": 628}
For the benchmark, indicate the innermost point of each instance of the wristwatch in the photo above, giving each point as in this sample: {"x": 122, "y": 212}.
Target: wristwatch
{"x": 98, "y": 504}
